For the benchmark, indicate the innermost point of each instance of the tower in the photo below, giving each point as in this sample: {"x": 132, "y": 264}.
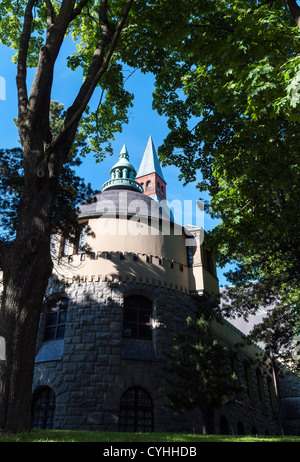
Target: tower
{"x": 122, "y": 174}
{"x": 150, "y": 174}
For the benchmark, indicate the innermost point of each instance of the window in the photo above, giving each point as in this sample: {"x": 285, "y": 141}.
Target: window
{"x": 56, "y": 319}
{"x": 82, "y": 241}
{"x": 137, "y": 318}
{"x": 148, "y": 185}
{"x": 66, "y": 248}
{"x": 53, "y": 243}
{"x": 136, "y": 411}
{"x": 43, "y": 408}
{"x": 190, "y": 256}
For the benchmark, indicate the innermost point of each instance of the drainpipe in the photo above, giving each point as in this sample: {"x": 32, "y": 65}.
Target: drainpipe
{"x": 281, "y": 424}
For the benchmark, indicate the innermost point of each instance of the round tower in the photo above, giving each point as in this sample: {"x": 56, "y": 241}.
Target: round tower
{"x": 115, "y": 298}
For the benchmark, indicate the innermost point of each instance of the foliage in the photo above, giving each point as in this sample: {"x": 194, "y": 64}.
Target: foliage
{"x": 97, "y": 125}
{"x": 228, "y": 83}
{"x": 200, "y": 374}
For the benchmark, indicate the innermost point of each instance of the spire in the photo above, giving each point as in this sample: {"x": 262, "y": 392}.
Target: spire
{"x": 122, "y": 174}
{"x": 150, "y": 163}
{"x": 150, "y": 174}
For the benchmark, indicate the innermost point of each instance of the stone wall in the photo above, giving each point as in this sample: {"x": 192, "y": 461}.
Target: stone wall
{"x": 93, "y": 365}
{"x": 289, "y": 391}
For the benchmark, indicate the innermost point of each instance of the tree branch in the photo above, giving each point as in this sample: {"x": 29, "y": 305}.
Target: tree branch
{"x": 79, "y": 7}
{"x": 50, "y": 13}
{"x": 41, "y": 87}
{"x": 22, "y": 60}
{"x": 94, "y": 74}
{"x": 294, "y": 9}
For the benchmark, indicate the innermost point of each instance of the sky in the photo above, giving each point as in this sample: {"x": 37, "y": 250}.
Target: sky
{"x": 143, "y": 122}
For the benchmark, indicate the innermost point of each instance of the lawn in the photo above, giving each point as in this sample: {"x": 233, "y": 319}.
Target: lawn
{"x": 69, "y": 436}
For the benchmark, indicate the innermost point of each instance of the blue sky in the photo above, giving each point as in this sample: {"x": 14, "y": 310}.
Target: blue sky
{"x": 143, "y": 122}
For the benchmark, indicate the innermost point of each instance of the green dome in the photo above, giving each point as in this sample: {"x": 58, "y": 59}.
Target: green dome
{"x": 123, "y": 174}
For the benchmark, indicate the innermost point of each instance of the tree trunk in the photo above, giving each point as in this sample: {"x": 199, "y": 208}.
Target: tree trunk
{"x": 27, "y": 268}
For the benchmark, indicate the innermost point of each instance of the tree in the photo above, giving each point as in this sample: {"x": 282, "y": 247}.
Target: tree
{"x": 201, "y": 375}
{"x": 229, "y": 86}
{"x": 37, "y": 29}
{"x": 71, "y": 188}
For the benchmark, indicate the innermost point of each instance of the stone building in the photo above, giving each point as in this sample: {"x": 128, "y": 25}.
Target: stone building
{"x": 112, "y": 305}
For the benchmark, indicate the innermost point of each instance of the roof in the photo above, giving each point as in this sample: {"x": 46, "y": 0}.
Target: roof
{"x": 123, "y": 161}
{"x": 124, "y": 202}
{"x": 239, "y": 322}
{"x": 150, "y": 162}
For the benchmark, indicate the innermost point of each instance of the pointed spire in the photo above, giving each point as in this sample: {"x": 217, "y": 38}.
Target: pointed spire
{"x": 150, "y": 163}
{"x": 124, "y": 153}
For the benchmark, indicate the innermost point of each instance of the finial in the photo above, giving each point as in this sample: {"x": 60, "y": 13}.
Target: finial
{"x": 124, "y": 153}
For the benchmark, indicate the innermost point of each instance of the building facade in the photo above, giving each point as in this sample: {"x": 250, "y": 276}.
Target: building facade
{"x": 112, "y": 305}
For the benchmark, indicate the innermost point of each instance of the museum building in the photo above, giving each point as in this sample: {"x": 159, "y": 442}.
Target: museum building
{"x": 113, "y": 303}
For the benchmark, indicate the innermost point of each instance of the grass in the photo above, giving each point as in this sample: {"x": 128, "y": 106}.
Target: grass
{"x": 69, "y": 436}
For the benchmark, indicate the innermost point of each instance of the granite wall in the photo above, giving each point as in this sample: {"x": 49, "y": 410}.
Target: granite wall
{"x": 93, "y": 365}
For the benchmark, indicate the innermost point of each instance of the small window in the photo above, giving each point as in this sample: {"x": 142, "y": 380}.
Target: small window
{"x": 190, "y": 256}
{"x": 148, "y": 185}
{"x": 56, "y": 319}
{"x": 137, "y": 320}
{"x": 66, "y": 248}
{"x": 53, "y": 244}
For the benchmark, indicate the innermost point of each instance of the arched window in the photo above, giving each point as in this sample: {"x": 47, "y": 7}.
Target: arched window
{"x": 136, "y": 411}
{"x": 56, "y": 318}
{"x": 43, "y": 408}
{"x": 137, "y": 319}
{"x": 148, "y": 185}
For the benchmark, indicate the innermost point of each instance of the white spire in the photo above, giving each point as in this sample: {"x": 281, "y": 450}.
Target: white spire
{"x": 150, "y": 162}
